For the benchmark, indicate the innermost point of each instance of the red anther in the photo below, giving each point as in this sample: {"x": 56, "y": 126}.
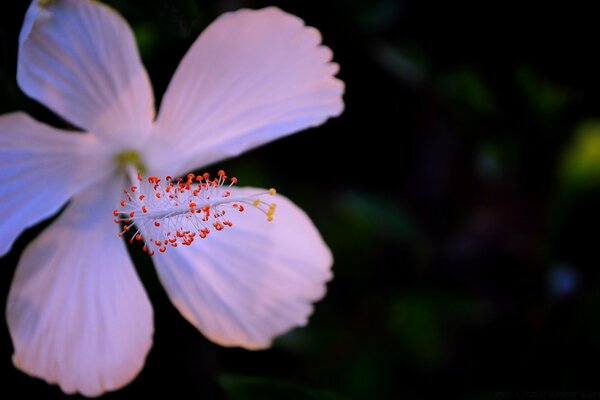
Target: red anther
{"x": 127, "y": 220}
{"x": 168, "y": 177}
{"x": 131, "y": 241}
{"x": 142, "y": 197}
{"x": 192, "y": 206}
{"x": 138, "y": 237}
{"x": 117, "y": 221}
{"x": 241, "y": 208}
{"x": 144, "y": 209}
{"x": 151, "y": 253}
{"x": 206, "y": 175}
{"x": 227, "y": 194}
{"x": 156, "y": 223}
{"x": 234, "y": 180}
{"x": 132, "y": 214}
{"x": 133, "y": 188}
{"x": 172, "y": 240}
{"x": 168, "y": 188}
{"x": 162, "y": 249}
{"x": 199, "y": 178}
{"x": 126, "y": 228}
{"x": 202, "y": 235}
{"x": 120, "y": 234}
{"x": 174, "y": 244}
{"x": 190, "y": 176}
{"x": 145, "y": 248}
{"x": 157, "y": 242}
{"x": 195, "y": 192}
{"x": 122, "y": 203}
{"x": 116, "y": 213}
{"x": 221, "y": 173}
{"x": 139, "y": 176}
{"x": 228, "y": 223}
{"x": 157, "y": 195}
{"x": 179, "y": 180}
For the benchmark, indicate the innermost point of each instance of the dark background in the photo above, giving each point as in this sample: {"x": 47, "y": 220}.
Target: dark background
{"x": 459, "y": 193}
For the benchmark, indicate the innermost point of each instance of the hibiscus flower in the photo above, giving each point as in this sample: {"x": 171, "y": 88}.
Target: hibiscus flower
{"x": 77, "y": 313}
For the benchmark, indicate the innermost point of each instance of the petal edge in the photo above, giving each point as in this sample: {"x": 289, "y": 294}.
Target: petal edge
{"x": 248, "y": 284}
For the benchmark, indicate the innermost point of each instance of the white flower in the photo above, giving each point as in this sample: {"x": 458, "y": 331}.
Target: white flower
{"x": 77, "y": 312}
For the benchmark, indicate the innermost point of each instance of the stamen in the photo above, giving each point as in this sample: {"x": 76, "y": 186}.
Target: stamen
{"x": 168, "y": 213}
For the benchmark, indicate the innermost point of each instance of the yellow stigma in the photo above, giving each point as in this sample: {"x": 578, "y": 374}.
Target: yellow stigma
{"x": 256, "y": 203}
{"x": 270, "y": 212}
{"x": 272, "y": 191}
{"x": 130, "y": 157}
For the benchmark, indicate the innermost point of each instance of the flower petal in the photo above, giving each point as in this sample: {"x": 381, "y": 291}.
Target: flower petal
{"x": 79, "y": 58}
{"x": 247, "y": 284}
{"x": 77, "y": 312}
{"x": 251, "y": 77}
{"x": 40, "y": 169}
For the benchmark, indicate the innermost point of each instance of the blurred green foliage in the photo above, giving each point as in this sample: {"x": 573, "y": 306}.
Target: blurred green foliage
{"x": 580, "y": 165}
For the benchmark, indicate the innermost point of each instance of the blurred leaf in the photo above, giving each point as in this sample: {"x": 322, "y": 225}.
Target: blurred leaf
{"x": 375, "y": 15}
{"x": 490, "y": 160}
{"x": 422, "y": 323}
{"x": 544, "y": 97}
{"x": 377, "y": 215}
{"x": 147, "y": 36}
{"x": 467, "y": 87}
{"x": 580, "y": 167}
{"x": 417, "y": 323}
{"x": 407, "y": 64}
{"x": 368, "y": 375}
{"x": 249, "y": 388}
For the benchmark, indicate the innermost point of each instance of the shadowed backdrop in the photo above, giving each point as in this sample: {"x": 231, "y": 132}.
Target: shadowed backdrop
{"x": 458, "y": 192}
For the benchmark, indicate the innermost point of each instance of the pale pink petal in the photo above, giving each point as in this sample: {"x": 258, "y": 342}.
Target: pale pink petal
{"x": 251, "y": 77}
{"x": 77, "y": 313}
{"x": 247, "y": 284}
{"x": 79, "y": 58}
{"x": 40, "y": 169}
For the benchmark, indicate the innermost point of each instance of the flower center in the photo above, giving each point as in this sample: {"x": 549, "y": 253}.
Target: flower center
{"x": 128, "y": 158}
{"x": 46, "y": 3}
{"x": 170, "y": 213}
